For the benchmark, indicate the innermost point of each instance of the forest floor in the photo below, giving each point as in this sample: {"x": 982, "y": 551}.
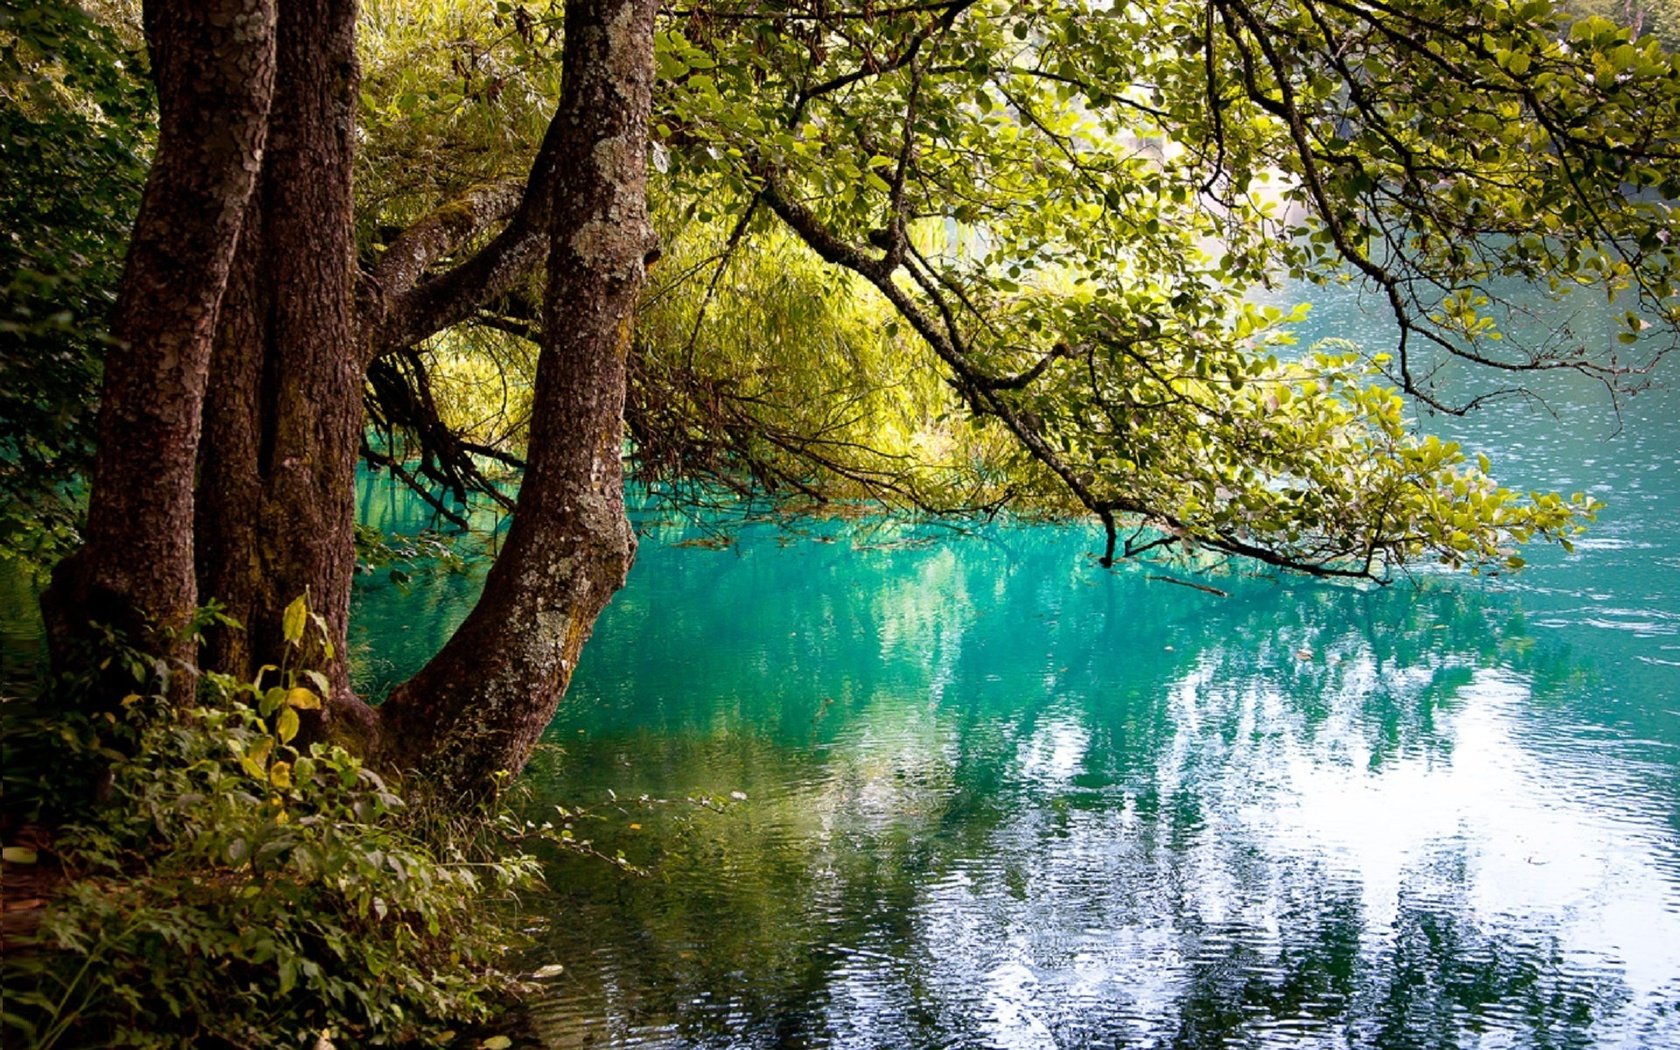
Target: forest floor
{"x": 30, "y": 876}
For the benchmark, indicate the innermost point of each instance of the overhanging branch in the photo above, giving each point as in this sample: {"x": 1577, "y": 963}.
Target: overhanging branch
{"x": 430, "y": 306}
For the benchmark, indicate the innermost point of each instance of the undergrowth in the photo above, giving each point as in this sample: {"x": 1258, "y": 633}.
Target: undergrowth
{"x": 231, "y": 888}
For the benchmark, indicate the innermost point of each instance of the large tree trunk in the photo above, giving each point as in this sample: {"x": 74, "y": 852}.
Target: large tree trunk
{"x": 214, "y": 63}
{"x": 276, "y": 509}
{"x": 480, "y": 704}
{"x": 280, "y": 429}
{"x": 230, "y": 499}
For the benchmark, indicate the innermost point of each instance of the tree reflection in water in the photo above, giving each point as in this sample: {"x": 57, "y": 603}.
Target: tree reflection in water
{"x": 996, "y": 798}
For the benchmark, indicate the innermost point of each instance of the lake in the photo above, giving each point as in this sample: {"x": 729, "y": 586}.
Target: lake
{"x": 898, "y": 787}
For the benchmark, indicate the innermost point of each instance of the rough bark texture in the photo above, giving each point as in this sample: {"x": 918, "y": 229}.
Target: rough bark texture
{"x": 276, "y": 510}
{"x": 230, "y": 502}
{"x": 480, "y": 705}
{"x": 411, "y": 309}
{"x": 214, "y": 63}
{"x": 406, "y": 258}
{"x": 242, "y": 275}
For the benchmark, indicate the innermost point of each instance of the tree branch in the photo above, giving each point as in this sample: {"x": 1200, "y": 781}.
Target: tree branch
{"x": 438, "y": 234}
{"x": 430, "y": 306}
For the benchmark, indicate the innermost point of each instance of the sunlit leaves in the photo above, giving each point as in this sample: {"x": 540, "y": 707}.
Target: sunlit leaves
{"x": 452, "y": 93}
{"x": 1075, "y": 200}
{"x": 292, "y": 621}
{"x": 756, "y": 371}
{"x": 1120, "y": 177}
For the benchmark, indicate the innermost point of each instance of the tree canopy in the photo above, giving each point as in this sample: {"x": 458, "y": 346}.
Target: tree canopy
{"x": 1064, "y": 210}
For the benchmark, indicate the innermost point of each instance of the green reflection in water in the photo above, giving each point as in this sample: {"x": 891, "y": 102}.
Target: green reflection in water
{"x": 995, "y": 797}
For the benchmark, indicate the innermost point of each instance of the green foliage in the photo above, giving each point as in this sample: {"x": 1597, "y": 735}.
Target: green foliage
{"x": 1084, "y": 200}
{"x": 1316, "y": 462}
{"x": 1078, "y": 202}
{"x": 1657, "y": 18}
{"x": 239, "y": 888}
{"x": 761, "y": 371}
{"x": 453, "y": 94}
{"x": 1073, "y": 203}
{"x": 75, "y": 128}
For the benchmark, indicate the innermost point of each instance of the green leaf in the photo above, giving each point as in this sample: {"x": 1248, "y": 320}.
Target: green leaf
{"x": 255, "y": 760}
{"x": 294, "y": 619}
{"x": 286, "y": 727}
{"x": 326, "y": 635}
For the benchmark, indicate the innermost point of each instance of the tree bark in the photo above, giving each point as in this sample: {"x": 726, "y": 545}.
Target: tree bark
{"x": 276, "y": 515}
{"x": 230, "y": 501}
{"x": 411, "y": 309}
{"x": 243, "y": 269}
{"x": 214, "y": 64}
{"x": 479, "y": 706}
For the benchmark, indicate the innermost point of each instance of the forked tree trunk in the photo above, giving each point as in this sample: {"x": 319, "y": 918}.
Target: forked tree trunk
{"x": 480, "y": 704}
{"x": 214, "y": 63}
{"x": 282, "y": 419}
{"x": 280, "y": 428}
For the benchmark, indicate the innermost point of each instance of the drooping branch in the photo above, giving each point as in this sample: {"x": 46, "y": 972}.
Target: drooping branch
{"x": 417, "y": 485}
{"x": 402, "y": 306}
{"x": 1384, "y": 209}
{"x": 944, "y": 336}
{"x": 425, "y": 307}
{"x": 808, "y": 440}
{"x": 400, "y": 398}
{"x": 1285, "y": 108}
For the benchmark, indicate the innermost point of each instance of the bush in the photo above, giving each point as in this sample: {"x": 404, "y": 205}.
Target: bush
{"x": 234, "y": 889}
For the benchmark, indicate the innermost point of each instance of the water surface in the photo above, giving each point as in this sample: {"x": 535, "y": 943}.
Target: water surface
{"x": 896, "y": 787}
{"x": 981, "y": 793}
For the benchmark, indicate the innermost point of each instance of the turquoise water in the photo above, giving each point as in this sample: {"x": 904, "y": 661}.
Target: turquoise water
{"x": 901, "y": 788}
{"x": 996, "y": 798}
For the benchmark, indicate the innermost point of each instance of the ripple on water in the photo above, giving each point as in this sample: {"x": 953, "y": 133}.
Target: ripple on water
{"x": 992, "y": 800}
{"x": 1641, "y": 622}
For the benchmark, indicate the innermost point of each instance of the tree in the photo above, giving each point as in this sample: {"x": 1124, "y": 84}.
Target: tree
{"x": 1431, "y": 149}
{"x": 1064, "y": 205}
{"x": 73, "y": 132}
{"x": 270, "y": 297}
